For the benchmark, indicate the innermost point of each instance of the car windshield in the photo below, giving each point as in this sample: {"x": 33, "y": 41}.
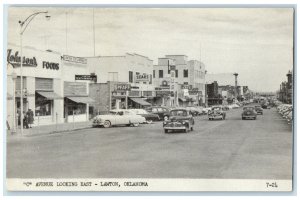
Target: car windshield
{"x": 257, "y": 106}
{"x": 216, "y": 108}
{"x": 140, "y": 111}
{"x": 249, "y": 108}
{"x": 113, "y": 113}
{"x": 178, "y": 113}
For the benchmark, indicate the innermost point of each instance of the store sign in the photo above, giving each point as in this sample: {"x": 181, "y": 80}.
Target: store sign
{"x": 142, "y": 78}
{"x": 184, "y": 86}
{"x": 50, "y": 65}
{"x": 86, "y": 77}
{"x": 163, "y": 93}
{"x": 74, "y": 59}
{"x": 123, "y": 87}
{"x": 165, "y": 84}
{"x": 194, "y": 91}
{"x": 15, "y": 60}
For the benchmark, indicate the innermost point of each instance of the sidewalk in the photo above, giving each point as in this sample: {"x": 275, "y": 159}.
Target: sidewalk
{"x": 53, "y": 128}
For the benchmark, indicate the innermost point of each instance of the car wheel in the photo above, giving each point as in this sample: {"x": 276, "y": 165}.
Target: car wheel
{"x": 243, "y": 118}
{"x": 166, "y": 131}
{"x": 254, "y": 118}
{"x": 106, "y": 124}
{"x": 166, "y": 118}
{"x": 192, "y": 128}
{"x": 135, "y": 124}
{"x": 149, "y": 121}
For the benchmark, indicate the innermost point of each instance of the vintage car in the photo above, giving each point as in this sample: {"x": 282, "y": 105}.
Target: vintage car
{"x": 249, "y": 113}
{"x": 118, "y": 117}
{"x": 216, "y": 113}
{"x": 150, "y": 117}
{"x": 259, "y": 110}
{"x": 161, "y": 111}
{"x": 180, "y": 119}
{"x": 195, "y": 111}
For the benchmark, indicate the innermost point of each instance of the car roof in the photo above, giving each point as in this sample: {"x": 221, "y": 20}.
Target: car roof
{"x": 176, "y": 109}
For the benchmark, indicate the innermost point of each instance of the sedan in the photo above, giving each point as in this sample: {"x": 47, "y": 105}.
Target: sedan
{"x": 118, "y": 117}
{"x": 249, "y": 113}
{"x": 150, "y": 117}
{"x": 259, "y": 110}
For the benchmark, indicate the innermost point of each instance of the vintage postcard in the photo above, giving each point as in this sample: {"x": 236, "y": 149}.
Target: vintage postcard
{"x": 149, "y": 99}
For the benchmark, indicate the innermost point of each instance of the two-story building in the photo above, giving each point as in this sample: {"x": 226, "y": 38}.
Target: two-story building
{"x": 122, "y": 82}
{"x": 179, "y": 81}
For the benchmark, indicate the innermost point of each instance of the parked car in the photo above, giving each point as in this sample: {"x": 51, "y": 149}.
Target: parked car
{"x": 162, "y": 112}
{"x": 118, "y": 117}
{"x": 194, "y": 110}
{"x": 206, "y": 110}
{"x": 150, "y": 117}
{"x": 259, "y": 110}
{"x": 216, "y": 113}
{"x": 249, "y": 113}
{"x": 180, "y": 119}
{"x": 266, "y": 106}
{"x": 290, "y": 117}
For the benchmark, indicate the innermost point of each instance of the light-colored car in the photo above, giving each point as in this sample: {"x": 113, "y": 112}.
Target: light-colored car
{"x": 206, "y": 110}
{"x": 118, "y": 117}
{"x": 216, "y": 113}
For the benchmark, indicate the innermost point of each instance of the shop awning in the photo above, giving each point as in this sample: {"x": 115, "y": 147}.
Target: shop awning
{"x": 81, "y": 99}
{"x": 49, "y": 95}
{"x": 140, "y": 101}
{"x": 182, "y": 99}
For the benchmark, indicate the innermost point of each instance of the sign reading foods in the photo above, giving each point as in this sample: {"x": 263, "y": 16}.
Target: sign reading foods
{"x": 123, "y": 87}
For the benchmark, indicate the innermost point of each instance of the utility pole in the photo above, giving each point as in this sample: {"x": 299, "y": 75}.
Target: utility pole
{"x": 235, "y": 85}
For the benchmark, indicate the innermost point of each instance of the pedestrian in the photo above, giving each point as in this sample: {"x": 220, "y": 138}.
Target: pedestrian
{"x": 30, "y": 117}
{"x": 25, "y": 120}
{"x": 19, "y": 116}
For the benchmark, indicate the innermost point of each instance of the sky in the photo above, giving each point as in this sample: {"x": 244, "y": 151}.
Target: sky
{"x": 257, "y": 43}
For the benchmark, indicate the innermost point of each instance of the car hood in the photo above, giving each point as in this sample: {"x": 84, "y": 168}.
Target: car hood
{"x": 175, "y": 118}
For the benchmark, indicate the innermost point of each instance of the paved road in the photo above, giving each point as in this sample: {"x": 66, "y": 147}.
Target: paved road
{"x": 234, "y": 148}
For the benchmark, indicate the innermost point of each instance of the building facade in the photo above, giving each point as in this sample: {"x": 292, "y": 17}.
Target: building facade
{"x": 179, "y": 81}
{"x": 286, "y": 89}
{"x": 45, "y": 75}
{"x": 127, "y": 81}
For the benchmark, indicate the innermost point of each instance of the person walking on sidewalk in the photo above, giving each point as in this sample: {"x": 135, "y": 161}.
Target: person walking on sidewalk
{"x": 30, "y": 117}
{"x": 25, "y": 120}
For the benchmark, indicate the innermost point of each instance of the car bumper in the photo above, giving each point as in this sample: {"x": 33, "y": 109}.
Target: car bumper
{"x": 249, "y": 117}
{"x": 98, "y": 124}
{"x": 175, "y": 128}
{"x": 215, "y": 116}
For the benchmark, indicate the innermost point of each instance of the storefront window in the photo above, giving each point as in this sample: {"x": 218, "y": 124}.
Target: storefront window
{"x": 79, "y": 109}
{"x": 42, "y": 106}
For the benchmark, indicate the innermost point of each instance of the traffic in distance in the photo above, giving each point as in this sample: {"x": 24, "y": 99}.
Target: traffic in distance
{"x": 183, "y": 119}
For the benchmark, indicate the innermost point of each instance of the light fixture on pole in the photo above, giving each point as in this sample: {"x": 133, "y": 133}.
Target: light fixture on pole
{"x": 23, "y": 26}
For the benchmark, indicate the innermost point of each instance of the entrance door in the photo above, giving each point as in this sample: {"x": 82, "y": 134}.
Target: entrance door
{"x": 18, "y": 106}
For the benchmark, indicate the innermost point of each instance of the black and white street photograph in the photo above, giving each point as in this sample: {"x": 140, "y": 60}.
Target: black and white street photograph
{"x": 190, "y": 98}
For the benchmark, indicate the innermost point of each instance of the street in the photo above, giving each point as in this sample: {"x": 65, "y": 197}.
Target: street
{"x": 229, "y": 149}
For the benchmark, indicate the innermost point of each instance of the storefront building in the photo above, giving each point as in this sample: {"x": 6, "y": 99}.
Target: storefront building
{"x": 48, "y": 83}
{"x": 126, "y": 81}
{"x": 42, "y": 91}
{"x": 181, "y": 81}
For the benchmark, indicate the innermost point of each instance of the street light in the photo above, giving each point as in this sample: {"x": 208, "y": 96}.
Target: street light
{"x": 23, "y": 26}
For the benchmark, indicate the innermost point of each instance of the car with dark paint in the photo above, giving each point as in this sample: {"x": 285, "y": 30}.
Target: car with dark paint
{"x": 259, "y": 110}
{"x": 216, "y": 112}
{"x": 249, "y": 113}
{"x": 162, "y": 112}
{"x": 180, "y": 119}
{"x": 150, "y": 117}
